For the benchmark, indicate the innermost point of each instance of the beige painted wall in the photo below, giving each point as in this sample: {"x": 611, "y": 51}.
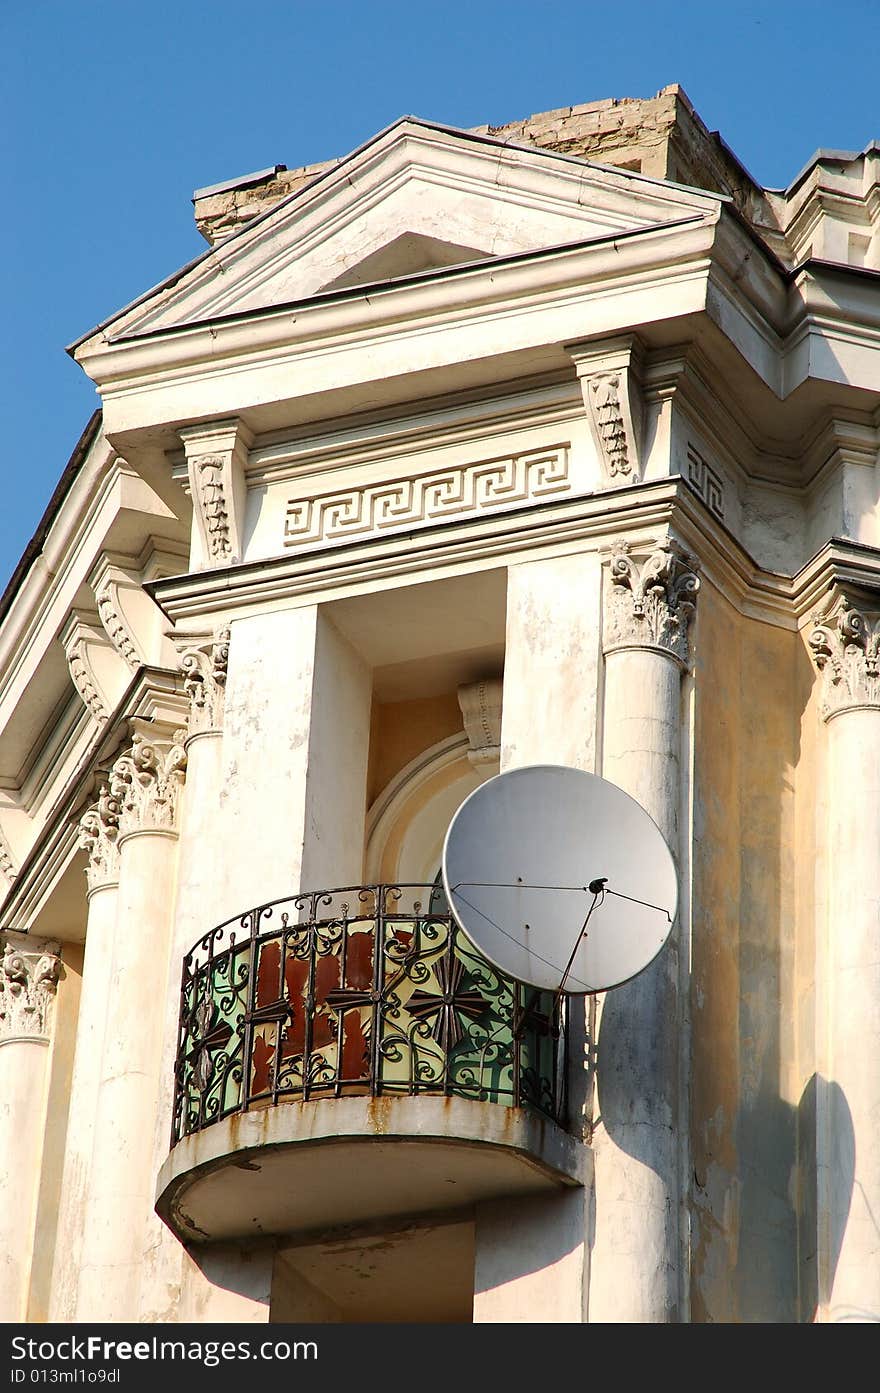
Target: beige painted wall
{"x": 400, "y": 730}
{"x": 744, "y": 1117}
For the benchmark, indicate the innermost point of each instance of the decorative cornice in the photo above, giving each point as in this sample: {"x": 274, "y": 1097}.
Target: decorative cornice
{"x": 8, "y": 868}
{"x": 145, "y": 781}
{"x": 216, "y": 456}
{"x": 480, "y": 704}
{"x": 204, "y": 666}
{"x": 845, "y": 644}
{"x": 98, "y": 834}
{"x": 651, "y": 602}
{"x": 29, "y": 971}
{"x": 609, "y": 373}
{"x": 590, "y": 521}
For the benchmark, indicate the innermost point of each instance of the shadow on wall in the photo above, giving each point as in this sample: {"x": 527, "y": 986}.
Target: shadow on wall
{"x": 756, "y": 1287}
{"x": 824, "y": 1111}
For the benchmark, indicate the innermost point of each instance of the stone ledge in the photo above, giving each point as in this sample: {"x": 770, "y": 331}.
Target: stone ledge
{"x": 328, "y": 1162}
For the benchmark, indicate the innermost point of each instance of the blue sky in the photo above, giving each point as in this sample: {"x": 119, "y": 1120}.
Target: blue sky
{"x": 113, "y": 111}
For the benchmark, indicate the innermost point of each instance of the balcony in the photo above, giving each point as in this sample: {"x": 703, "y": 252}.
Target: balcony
{"x": 320, "y": 1032}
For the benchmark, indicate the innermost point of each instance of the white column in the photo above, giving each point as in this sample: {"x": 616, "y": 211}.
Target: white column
{"x": 532, "y": 1257}
{"x": 637, "y": 1267}
{"x": 532, "y": 1260}
{"x": 292, "y": 802}
{"x": 99, "y": 829}
{"x": 28, "y": 977}
{"x": 846, "y": 646}
{"x": 551, "y": 663}
{"x": 119, "y": 1209}
{"x": 221, "y": 1284}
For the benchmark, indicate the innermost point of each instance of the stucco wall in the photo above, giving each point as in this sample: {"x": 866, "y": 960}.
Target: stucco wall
{"x": 743, "y": 996}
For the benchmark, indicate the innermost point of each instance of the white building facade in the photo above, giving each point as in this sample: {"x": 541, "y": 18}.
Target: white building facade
{"x": 557, "y": 444}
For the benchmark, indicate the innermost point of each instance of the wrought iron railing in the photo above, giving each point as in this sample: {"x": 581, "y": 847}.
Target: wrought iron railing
{"x": 368, "y": 990}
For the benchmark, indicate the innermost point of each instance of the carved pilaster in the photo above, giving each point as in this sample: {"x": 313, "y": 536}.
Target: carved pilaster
{"x": 609, "y": 373}
{"x": 652, "y": 601}
{"x": 99, "y": 835}
{"x": 8, "y": 867}
{"x": 845, "y": 644}
{"x": 204, "y": 664}
{"x": 480, "y": 704}
{"x": 146, "y": 780}
{"x": 216, "y": 456}
{"x": 29, "y": 971}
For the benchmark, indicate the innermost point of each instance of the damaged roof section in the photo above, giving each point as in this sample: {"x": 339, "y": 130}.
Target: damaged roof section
{"x": 828, "y": 210}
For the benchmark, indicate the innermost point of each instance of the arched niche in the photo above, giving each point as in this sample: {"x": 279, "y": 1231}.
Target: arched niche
{"x": 407, "y": 823}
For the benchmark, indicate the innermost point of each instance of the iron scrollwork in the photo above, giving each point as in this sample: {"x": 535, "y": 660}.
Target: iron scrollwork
{"x": 370, "y": 990}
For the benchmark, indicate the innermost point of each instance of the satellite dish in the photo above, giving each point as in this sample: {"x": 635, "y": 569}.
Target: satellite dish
{"x": 534, "y": 853}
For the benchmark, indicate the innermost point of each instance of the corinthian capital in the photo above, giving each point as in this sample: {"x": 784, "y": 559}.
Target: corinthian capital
{"x": 146, "y": 782}
{"x": 28, "y": 980}
{"x": 651, "y": 602}
{"x": 845, "y": 644}
{"x": 204, "y": 665}
{"x": 98, "y": 833}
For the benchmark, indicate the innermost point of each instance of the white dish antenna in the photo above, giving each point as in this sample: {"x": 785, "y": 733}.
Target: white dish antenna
{"x": 560, "y": 879}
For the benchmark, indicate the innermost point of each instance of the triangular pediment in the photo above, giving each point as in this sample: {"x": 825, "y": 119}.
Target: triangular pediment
{"x": 417, "y": 199}
{"x": 407, "y": 255}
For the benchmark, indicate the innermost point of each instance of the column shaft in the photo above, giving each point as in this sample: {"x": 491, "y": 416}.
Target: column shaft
{"x": 292, "y": 802}
{"x": 120, "y": 1221}
{"x": 28, "y": 974}
{"x": 93, "y": 1007}
{"x": 637, "y": 1261}
{"x": 532, "y": 1258}
{"x": 635, "y": 1257}
{"x": 849, "y": 1121}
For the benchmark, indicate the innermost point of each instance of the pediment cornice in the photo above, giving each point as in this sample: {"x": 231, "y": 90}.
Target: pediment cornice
{"x": 497, "y": 198}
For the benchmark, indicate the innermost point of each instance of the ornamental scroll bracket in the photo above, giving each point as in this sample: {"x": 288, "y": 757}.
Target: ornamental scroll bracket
{"x": 8, "y": 866}
{"x": 652, "y": 600}
{"x": 216, "y": 458}
{"x": 480, "y": 704}
{"x": 92, "y": 658}
{"x": 609, "y": 371}
{"x": 844, "y": 642}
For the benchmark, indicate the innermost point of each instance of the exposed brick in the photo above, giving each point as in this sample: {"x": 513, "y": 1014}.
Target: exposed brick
{"x": 663, "y": 134}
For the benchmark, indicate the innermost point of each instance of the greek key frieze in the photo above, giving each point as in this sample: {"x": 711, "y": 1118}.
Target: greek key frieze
{"x": 429, "y": 497}
{"x": 705, "y": 482}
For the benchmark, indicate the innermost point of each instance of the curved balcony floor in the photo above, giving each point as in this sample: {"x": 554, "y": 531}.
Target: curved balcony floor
{"x": 300, "y": 1166}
